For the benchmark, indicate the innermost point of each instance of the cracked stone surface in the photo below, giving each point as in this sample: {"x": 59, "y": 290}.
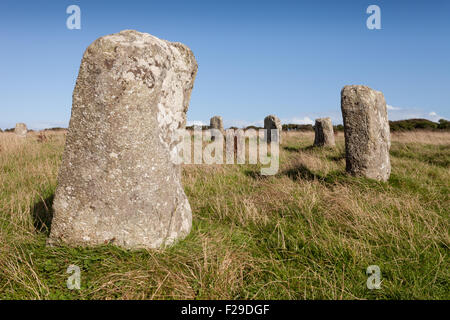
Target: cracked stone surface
{"x": 272, "y": 122}
{"x": 367, "y": 136}
{"x": 324, "y": 133}
{"x": 118, "y": 182}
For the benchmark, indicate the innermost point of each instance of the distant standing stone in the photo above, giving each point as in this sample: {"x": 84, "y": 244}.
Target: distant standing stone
{"x": 216, "y": 122}
{"x": 21, "y": 130}
{"x": 367, "y": 136}
{"x": 272, "y": 122}
{"x": 118, "y": 181}
{"x": 324, "y": 135}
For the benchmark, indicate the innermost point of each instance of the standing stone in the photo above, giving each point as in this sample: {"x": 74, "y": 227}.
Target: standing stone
{"x": 324, "y": 135}
{"x": 119, "y": 182}
{"x": 272, "y": 122}
{"x": 216, "y": 122}
{"x": 367, "y": 136}
{"x": 21, "y": 130}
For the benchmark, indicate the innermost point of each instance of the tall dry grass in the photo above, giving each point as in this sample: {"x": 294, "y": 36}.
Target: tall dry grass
{"x": 422, "y": 136}
{"x": 309, "y": 232}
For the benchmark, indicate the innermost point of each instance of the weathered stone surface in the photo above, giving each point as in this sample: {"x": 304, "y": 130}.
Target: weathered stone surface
{"x": 216, "y": 122}
{"x": 324, "y": 134}
{"x": 118, "y": 181}
{"x": 272, "y": 122}
{"x": 21, "y": 130}
{"x": 367, "y": 136}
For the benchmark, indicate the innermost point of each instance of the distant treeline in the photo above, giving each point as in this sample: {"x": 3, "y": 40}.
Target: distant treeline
{"x": 297, "y": 127}
{"x": 192, "y": 127}
{"x": 400, "y": 125}
{"x": 31, "y": 130}
{"x": 56, "y": 129}
{"x": 307, "y": 127}
{"x": 412, "y": 124}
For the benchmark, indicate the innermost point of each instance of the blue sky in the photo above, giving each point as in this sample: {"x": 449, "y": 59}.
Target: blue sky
{"x": 289, "y": 58}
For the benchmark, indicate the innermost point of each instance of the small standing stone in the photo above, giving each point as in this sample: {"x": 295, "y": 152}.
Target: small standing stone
{"x": 21, "y": 130}
{"x": 119, "y": 180}
{"x": 324, "y": 134}
{"x": 367, "y": 136}
{"x": 272, "y": 122}
{"x": 216, "y": 122}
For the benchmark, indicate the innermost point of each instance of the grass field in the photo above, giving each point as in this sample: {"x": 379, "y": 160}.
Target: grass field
{"x": 308, "y": 232}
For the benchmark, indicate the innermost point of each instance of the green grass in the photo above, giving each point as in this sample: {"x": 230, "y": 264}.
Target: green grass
{"x": 308, "y": 232}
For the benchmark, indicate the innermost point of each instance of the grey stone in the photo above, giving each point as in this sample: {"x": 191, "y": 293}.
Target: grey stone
{"x": 216, "y": 122}
{"x": 367, "y": 136}
{"x": 21, "y": 130}
{"x": 324, "y": 134}
{"x": 272, "y": 122}
{"x": 119, "y": 182}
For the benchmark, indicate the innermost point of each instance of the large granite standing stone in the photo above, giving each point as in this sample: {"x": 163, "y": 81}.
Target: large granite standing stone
{"x": 272, "y": 122}
{"x": 216, "y": 122}
{"x": 21, "y": 130}
{"x": 367, "y": 136}
{"x": 324, "y": 134}
{"x": 118, "y": 181}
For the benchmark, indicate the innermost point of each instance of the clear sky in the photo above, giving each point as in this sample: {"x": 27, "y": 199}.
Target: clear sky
{"x": 289, "y": 58}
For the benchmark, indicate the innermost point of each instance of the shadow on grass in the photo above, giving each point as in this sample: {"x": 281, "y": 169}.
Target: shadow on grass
{"x": 336, "y": 158}
{"x": 297, "y": 149}
{"x": 255, "y": 174}
{"x": 42, "y": 213}
{"x": 301, "y": 173}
